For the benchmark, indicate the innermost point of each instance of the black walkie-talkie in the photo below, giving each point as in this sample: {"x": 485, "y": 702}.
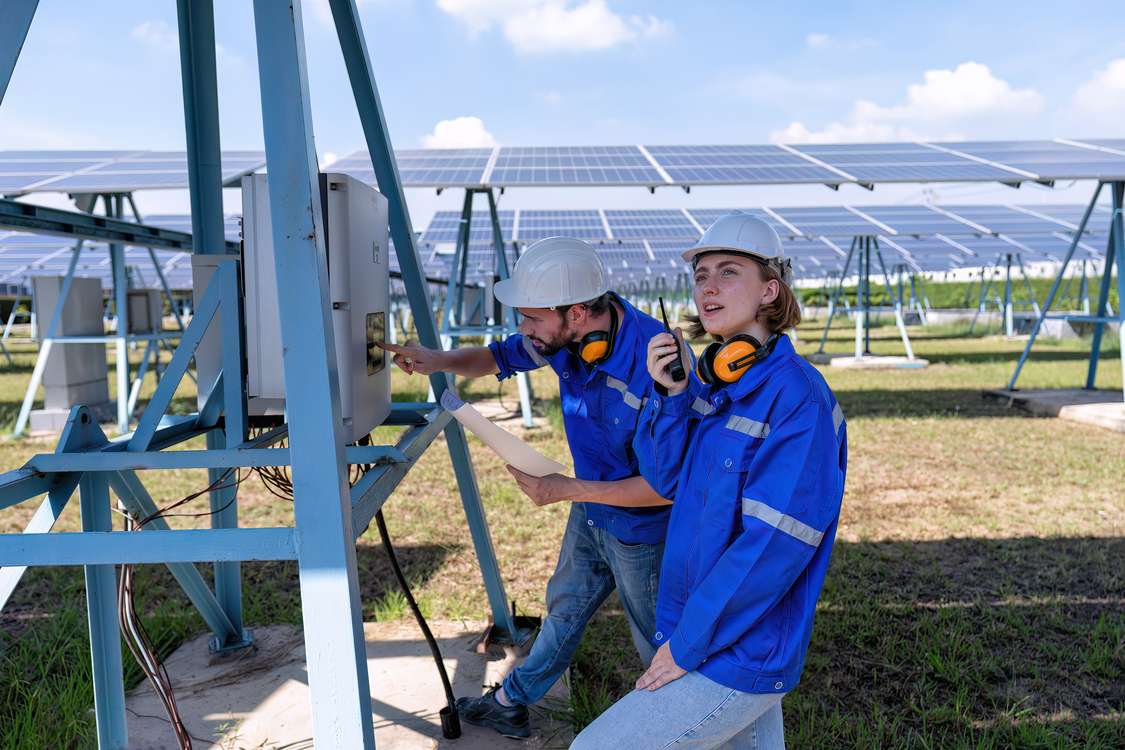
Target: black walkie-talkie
{"x": 676, "y": 369}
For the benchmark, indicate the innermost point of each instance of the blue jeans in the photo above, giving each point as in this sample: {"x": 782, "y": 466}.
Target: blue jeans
{"x": 592, "y": 563}
{"x": 691, "y": 713}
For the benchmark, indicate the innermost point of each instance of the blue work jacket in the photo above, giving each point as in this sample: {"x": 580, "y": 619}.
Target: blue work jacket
{"x": 600, "y": 407}
{"x": 756, "y": 472}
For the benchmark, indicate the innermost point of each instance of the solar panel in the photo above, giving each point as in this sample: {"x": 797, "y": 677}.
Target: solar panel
{"x": 1047, "y": 160}
{"x": 583, "y": 224}
{"x": 446, "y": 225}
{"x": 109, "y": 171}
{"x": 422, "y": 167}
{"x": 901, "y": 162}
{"x": 735, "y": 165}
{"x": 625, "y": 224}
{"x": 828, "y": 221}
{"x": 573, "y": 165}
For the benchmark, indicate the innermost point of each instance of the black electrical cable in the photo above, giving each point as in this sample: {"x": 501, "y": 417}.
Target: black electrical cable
{"x": 450, "y": 720}
{"x": 279, "y": 483}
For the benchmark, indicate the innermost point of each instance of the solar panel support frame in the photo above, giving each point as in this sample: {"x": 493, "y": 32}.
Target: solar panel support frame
{"x": 1115, "y": 253}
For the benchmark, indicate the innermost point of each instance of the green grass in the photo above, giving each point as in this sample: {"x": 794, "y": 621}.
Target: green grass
{"x": 976, "y": 596}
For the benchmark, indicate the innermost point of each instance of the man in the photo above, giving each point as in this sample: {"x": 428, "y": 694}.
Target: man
{"x": 596, "y": 343}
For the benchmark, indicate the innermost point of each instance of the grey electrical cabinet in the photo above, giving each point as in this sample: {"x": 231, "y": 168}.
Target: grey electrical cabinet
{"x": 355, "y": 217}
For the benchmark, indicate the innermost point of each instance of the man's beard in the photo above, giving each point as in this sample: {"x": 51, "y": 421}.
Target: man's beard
{"x": 556, "y": 344}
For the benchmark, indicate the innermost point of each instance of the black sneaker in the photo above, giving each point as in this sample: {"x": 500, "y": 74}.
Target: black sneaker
{"x": 486, "y": 711}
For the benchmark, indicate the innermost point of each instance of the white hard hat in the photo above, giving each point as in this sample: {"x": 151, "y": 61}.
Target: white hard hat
{"x": 552, "y": 272}
{"x": 740, "y": 232}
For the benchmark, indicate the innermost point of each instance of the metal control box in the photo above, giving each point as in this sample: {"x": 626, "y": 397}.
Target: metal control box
{"x": 356, "y": 233}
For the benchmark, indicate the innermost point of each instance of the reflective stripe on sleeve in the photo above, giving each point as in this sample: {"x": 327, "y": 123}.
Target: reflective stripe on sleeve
{"x": 837, "y": 417}
{"x": 748, "y": 426}
{"x": 782, "y": 522}
{"x": 702, "y": 407}
{"x": 630, "y": 400}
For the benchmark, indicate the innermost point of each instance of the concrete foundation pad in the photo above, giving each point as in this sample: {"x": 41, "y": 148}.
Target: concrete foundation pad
{"x": 869, "y": 362}
{"x": 260, "y": 698}
{"x": 1101, "y": 408}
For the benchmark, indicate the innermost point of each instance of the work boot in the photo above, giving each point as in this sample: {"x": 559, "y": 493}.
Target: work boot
{"x": 486, "y": 711}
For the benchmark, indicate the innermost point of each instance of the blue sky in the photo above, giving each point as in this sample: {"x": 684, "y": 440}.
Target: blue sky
{"x": 542, "y": 72}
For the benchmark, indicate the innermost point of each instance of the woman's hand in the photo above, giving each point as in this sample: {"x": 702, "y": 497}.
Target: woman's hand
{"x": 661, "y": 671}
{"x": 661, "y": 353}
{"x": 552, "y": 488}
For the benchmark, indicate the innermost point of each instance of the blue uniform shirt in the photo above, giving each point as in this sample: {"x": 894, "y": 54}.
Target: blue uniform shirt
{"x": 600, "y": 407}
{"x": 756, "y": 471}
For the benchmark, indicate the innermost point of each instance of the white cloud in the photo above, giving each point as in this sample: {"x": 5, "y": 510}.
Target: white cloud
{"x": 1102, "y": 98}
{"x": 159, "y": 36}
{"x": 817, "y": 40}
{"x": 460, "y": 132}
{"x": 944, "y": 102}
{"x": 155, "y": 34}
{"x": 550, "y": 98}
{"x": 540, "y": 27}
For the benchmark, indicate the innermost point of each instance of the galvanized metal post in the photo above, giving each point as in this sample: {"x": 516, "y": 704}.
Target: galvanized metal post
{"x": 205, "y": 178}
{"x": 101, "y": 594}
{"x": 1118, "y": 220}
{"x": 1057, "y": 282}
{"x": 900, "y": 321}
{"x": 1103, "y": 300}
{"x": 366, "y": 93}
{"x": 836, "y": 295}
{"x": 333, "y": 625}
{"x": 1009, "y": 312}
{"x": 113, "y": 205}
{"x": 201, "y": 120}
{"x": 523, "y": 382}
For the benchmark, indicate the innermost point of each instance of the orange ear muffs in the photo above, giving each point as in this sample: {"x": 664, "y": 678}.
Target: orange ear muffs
{"x": 596, "y": 346}
{"x": 725, "y": 362}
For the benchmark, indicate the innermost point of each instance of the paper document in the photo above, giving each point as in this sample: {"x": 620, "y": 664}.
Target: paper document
{"x": 506, "y": 445}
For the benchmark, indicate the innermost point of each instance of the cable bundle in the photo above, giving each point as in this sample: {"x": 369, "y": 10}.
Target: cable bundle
{"x": 136, "y": 637}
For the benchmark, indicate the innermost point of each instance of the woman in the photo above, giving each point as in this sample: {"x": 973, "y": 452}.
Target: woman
{"x": 753, "y": 449}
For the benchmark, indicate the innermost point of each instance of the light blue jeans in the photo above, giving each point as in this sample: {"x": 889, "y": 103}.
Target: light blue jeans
{"x": 691, "y": 712}
{"x": 592, "y": 563}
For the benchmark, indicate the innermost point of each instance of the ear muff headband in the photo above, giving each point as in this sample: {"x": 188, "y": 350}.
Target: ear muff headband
{"x": 597, "y": 346}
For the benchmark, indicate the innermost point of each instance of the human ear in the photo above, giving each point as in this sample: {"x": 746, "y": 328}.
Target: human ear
{"x": 771, "y": 291}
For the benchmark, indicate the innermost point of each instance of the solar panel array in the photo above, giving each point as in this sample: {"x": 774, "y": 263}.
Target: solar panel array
{"x": 766, "y": 164}
{"x": 23, "y": 172}
{"x": 647, "y": 243}
{"x": 23, "y": 255}
{"x": 595, "y": 225}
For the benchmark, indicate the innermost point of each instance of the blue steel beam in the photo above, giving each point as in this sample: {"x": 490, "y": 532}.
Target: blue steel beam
{"x": 212, "y": 458}
{"x": 121, "y": 308}
{"x": 333, "y": 624}
{"x": 1100, "y": 313}
{"x": 133, "y": 495}
{"x": 370, "y": 492}
{"x": 1055, "y": 287}
{"x": 101, "y": 547}
{"x": 75, "y": 224}
{"x": 43, "y": 521}
{"x": 101, "y": 583}
{"x": 174, "y": 373}
{"x": 13, "y": 32}
{"x": 201, "y": 121}
{"x": 366, "y": 93}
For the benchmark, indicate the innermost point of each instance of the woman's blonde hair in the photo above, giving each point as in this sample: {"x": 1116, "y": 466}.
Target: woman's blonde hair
{"x": 780, "y": 315}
